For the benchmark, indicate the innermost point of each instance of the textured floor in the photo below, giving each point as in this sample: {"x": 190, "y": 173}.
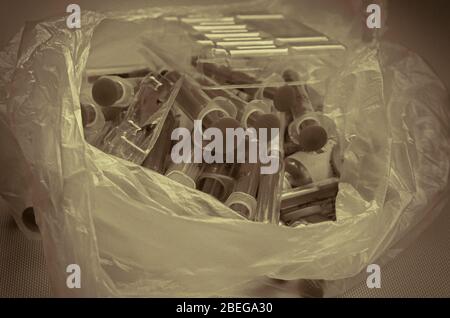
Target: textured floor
{"x": 22, "y": 262}
{"x": 423, "y": 270}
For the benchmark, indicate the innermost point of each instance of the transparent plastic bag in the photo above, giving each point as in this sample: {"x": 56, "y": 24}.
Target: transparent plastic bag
{"x": 134, "y": 232}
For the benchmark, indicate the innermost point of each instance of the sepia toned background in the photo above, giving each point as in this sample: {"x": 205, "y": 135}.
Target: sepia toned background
{"x": 423, "y": 270}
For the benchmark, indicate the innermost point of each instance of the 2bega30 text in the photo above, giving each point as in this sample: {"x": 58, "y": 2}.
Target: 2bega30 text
{"x": 249, "y": 307}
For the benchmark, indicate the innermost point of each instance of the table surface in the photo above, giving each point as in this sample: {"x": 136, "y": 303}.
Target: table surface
{"x": 422, "y": 270}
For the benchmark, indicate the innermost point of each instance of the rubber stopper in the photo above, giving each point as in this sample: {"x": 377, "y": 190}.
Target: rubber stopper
{"x": 106, "y": 91}
{"x": 267, "y": 121}
{"x": 284, "y": 98}
{"x": 223, "y": 124}
{"x": 227, "y": 122}
{"x": 290, "y": 75}
{"x": 313, "y": 138}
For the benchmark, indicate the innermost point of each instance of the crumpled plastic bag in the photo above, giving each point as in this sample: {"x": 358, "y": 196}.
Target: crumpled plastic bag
{"x": 134, "y": 232}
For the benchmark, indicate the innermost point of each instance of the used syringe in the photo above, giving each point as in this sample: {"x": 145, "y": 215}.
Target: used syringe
{"x": 305, "y": 129}
{"x": 216, "y": 180}
{"x": 186, "y": 173}
{"x": 157, "y": 158}
{"x": 271, "y": 185}
{"x": 114, "y": 91}
{"x": 243, "y": 197}
{"x": 197, "y": 105}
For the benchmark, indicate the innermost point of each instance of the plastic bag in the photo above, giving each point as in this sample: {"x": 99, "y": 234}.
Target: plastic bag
{"x": 134, "y": 232}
